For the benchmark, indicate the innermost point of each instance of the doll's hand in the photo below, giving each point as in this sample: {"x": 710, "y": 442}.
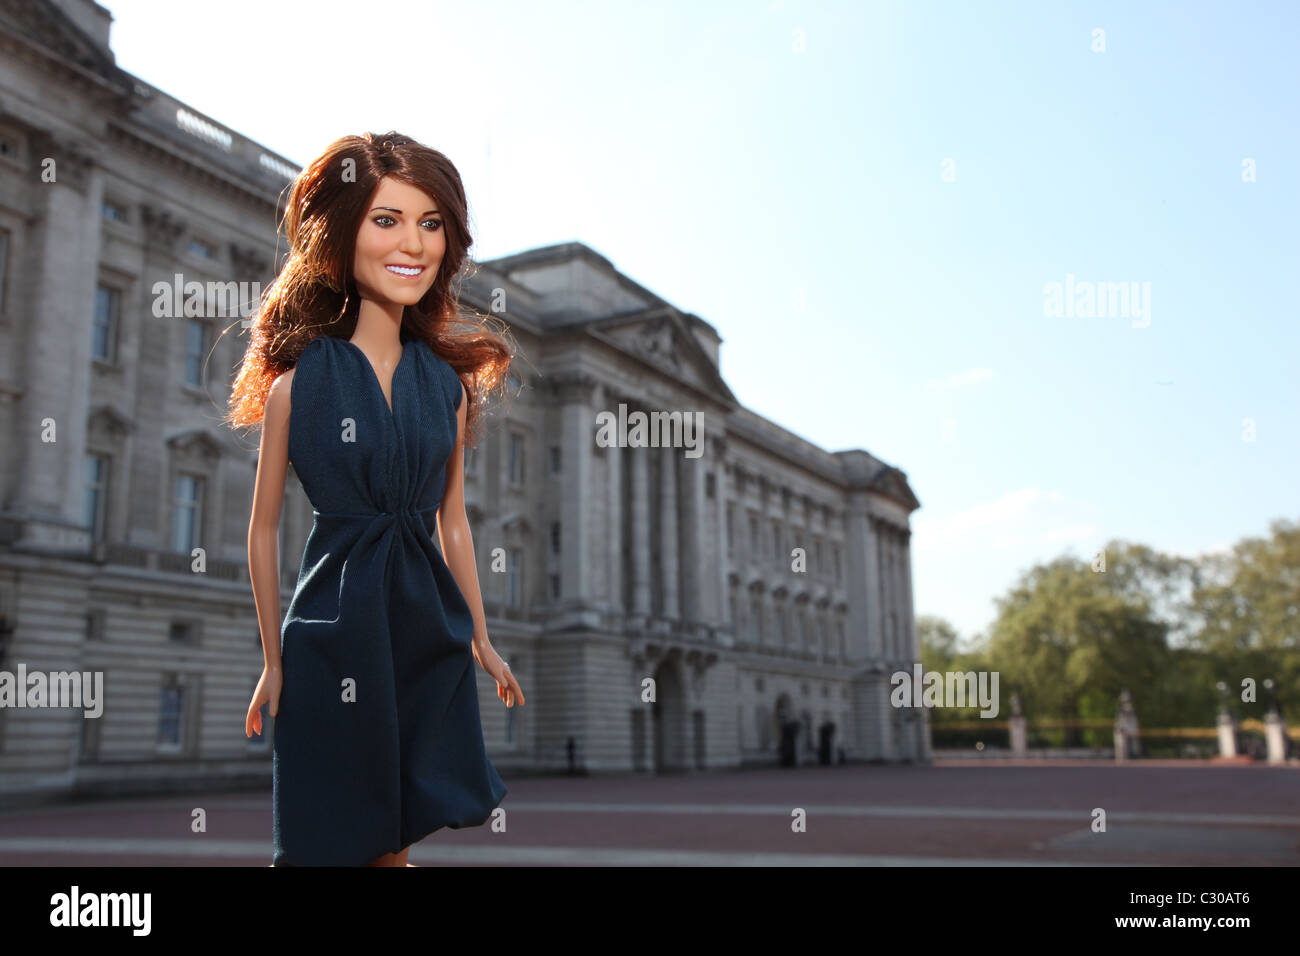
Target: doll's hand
{"x": 268, "y": 691}
{"x": 507, "y": 686}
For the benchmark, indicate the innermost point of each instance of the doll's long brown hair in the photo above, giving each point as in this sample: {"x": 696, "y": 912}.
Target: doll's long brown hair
{"x": 315, "y": 293}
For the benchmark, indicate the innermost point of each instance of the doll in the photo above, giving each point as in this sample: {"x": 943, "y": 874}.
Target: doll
{"x": 363, "y": 372}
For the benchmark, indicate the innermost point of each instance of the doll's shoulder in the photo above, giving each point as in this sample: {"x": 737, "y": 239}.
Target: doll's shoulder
{"x": 279, "y": 397}
{"x": 284, "y": 381}
{"x": 309, "y": 357}
{"x": 282, "y": 388}
{"x": 315, "y": 345}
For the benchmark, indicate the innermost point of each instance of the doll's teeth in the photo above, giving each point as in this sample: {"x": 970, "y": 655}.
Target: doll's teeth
{"x": 405, "y": 270}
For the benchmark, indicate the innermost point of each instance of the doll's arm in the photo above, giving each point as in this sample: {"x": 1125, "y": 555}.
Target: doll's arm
{"x": 458, "y": 552}
{"x": 264, "y": 524}
{"x": 453, "y": 530}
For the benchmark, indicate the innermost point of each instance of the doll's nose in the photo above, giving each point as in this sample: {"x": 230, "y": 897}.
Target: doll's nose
{"x": 412, "y": 243}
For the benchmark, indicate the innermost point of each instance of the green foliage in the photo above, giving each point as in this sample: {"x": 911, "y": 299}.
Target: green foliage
{"x": 1249, "y": 602}
{"x": 1070, "y": 636}
{"x": 938, "y": 641}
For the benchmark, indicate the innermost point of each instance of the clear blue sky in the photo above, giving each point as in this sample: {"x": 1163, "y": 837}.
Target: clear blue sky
{"x": 778, "y": 169}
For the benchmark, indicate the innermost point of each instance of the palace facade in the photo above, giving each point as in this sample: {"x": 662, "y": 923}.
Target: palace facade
{"x": 665, "y": 607}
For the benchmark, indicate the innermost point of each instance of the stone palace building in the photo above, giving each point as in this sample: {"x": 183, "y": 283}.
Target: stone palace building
{"x": 665, "y": 608}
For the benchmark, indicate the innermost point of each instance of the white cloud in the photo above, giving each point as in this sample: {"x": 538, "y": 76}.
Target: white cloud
{"x": 962, "y": 559}
{"x": 1085, "y": 536}
{"x": 1017, "y": 516}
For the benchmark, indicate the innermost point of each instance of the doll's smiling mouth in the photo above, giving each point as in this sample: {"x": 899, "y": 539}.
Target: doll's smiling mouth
{"x": 406, "y": 272}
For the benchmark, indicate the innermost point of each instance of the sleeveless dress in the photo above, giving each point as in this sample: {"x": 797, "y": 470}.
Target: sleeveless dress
{"x": 377, "y": 742}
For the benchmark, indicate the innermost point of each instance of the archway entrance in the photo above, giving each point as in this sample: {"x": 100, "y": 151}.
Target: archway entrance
{"x": 669, "y": 716}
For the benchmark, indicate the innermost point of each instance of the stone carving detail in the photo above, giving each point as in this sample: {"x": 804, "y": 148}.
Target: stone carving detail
{"x": 569, "y": 387}
{"x": 107, "y": 422}
{"x": 659, "y": 343}
{"x": 161, "y": 228}
{"x": 196, "y": 445}
{"x": 72, "y": 162}
{"x": 249, "y": 264}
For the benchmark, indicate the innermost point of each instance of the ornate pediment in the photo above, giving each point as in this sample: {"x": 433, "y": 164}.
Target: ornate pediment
{"x": 515, "y": 521}
{"x": 892, "y": 483}
{"x": 108, "y": 422}
{"x": 661, "y": 338}
{"x": 660, "y": 342}
{"x": 196, "y": 444}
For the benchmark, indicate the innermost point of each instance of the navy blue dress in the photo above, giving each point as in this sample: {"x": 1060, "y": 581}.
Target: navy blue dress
{"x": 377, "y": 742}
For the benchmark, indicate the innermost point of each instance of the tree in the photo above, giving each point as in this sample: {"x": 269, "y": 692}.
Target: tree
{"x": 1249, "y": 602}
{"x": 1066, "y": 636}
{"x": 1071, "y": 635}
{"x": 938, "y": 640}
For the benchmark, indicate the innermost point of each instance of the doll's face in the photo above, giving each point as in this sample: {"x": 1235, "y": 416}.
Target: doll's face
{"x": 399, "y": 244}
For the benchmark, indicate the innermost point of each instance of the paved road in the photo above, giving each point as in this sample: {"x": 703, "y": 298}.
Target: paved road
{"x": 951, "y": 813}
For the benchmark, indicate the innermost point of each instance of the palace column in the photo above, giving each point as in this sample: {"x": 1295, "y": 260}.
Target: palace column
{"x": 720, "y": 578}
{"x": 639, "y": 491}
{"x": 668, "y": 555}
{"x": 575, "y": 393}
{"x": 55, "y": 340}
{"x": 614, "y": 519}
{"x": 692, "y": 577}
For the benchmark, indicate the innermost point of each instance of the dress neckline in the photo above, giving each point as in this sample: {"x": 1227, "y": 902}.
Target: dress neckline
{"x": 390, "y": 400}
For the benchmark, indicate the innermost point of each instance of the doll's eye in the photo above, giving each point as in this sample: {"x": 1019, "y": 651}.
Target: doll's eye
{"x": 435, "y": 224}
{"x": 384, "y": 221}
